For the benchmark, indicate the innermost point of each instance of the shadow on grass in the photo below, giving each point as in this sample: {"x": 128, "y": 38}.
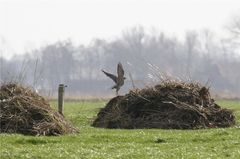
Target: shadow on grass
{"x": 35, "y": 141}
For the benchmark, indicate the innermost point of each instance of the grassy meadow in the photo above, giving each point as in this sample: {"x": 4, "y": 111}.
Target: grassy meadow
{"x": 139, "y": 143}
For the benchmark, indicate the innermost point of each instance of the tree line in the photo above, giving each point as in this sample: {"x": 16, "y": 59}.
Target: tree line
{"x": 146, "y": 56}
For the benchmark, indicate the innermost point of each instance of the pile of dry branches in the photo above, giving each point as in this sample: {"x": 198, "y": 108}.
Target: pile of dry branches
{"x": 171, "y": 104}
{"x": 24, "y": 111}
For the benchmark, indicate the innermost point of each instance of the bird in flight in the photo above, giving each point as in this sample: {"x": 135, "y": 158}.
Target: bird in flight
{"x": 119, "y": 79}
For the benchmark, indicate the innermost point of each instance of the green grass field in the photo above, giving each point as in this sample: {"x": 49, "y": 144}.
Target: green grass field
{"x": 141, "y": 143}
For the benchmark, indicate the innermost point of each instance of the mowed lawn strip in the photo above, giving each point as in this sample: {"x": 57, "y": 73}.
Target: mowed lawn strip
{"x": 140, "y": 143}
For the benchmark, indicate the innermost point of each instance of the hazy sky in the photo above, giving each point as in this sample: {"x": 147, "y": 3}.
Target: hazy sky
{"x": 29, "y": 24}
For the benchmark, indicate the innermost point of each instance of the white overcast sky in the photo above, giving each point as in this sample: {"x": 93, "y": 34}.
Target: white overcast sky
{"x": 29, "y": 24}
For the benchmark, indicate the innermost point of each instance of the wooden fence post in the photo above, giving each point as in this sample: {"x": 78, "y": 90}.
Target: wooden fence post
{"x": 61, "y": 89}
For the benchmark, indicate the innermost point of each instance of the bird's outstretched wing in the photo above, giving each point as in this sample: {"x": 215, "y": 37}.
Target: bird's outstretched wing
{"x": 113, "y": 77}
{"x": 120, "y": 71}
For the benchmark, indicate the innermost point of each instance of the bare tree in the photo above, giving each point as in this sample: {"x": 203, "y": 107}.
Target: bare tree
{"x": 190, "y": 42}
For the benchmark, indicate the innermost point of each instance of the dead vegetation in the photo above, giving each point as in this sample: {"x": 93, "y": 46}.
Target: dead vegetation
{"x": 171, "y": 104}
{"x": 24, "y": 111}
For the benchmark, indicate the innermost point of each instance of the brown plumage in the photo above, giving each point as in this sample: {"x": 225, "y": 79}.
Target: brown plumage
{"x": 119, "y": 79}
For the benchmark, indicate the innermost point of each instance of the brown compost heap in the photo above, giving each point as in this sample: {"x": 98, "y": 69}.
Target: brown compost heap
{"x": 169, "y": 105}
{"x": 24, "y": 111}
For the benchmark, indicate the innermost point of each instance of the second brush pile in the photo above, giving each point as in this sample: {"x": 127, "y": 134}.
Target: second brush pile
{"x": 171, "y": 104}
